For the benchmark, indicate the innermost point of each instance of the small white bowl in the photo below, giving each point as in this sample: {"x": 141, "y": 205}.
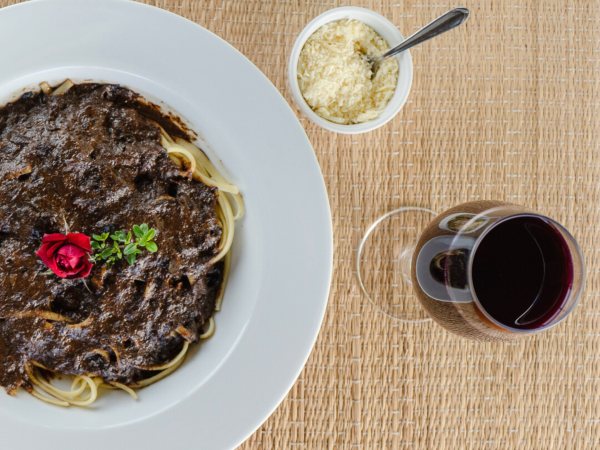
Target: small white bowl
{"x": 389, "y": 32}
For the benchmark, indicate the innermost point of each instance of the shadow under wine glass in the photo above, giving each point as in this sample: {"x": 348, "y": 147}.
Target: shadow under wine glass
{"x": 485, "y": 270}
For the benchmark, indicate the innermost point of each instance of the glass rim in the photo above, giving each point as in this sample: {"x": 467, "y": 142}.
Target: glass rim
{"x": 472, "y": 257}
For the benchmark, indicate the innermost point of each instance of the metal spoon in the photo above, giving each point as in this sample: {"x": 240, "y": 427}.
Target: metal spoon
{"x": 445, "y": 22}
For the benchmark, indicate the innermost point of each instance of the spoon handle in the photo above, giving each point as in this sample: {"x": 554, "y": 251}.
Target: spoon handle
{"x": 445, "y": 22}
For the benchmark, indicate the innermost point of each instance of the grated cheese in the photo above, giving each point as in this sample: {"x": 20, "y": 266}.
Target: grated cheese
{"x": 335, "y": 79}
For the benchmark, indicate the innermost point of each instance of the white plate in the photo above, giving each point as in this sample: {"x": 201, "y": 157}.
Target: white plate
{"x": 282, "y": 256}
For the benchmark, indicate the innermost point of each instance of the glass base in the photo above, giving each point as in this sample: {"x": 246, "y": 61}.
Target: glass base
{"x": 383, "y": 262}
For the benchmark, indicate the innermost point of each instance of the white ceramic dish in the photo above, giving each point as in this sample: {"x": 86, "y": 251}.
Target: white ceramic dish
{"x": 389, "y": 32}
{"x": 282, "y": 255}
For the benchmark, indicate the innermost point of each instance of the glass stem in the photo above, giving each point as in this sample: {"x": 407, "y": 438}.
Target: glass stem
{"x": 405, "y": 257}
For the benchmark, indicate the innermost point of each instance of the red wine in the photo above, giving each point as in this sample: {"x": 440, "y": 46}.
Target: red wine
{"x": 522, "y": 272}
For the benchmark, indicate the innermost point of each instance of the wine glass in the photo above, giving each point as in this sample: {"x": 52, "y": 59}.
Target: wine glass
{"x": 485, "y": 270}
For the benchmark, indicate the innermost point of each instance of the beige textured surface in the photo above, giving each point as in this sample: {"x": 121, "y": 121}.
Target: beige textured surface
{"x": 506, "y": 107}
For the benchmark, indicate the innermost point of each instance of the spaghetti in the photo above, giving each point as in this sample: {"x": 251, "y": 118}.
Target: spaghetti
{"x": 85, "y": 388}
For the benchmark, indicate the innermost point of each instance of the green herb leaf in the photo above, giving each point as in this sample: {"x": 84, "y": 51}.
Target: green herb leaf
{"x": 138, "y": 231}
{"x": 110, "y": 252}
{"x": 46, "y": 272}
{"x": 129, "y": 249}
{"x": 106, "y": 253}
{"x": 150, "y": 234}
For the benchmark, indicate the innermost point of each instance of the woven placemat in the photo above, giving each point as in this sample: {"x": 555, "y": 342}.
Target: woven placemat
{"x": 505, "y": 107}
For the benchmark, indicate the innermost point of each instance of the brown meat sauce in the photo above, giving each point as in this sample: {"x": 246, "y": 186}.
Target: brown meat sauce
{"x": 93, "y": 155}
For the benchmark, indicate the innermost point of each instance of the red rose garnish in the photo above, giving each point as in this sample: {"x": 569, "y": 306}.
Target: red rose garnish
{"x": 66, "y": 256}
